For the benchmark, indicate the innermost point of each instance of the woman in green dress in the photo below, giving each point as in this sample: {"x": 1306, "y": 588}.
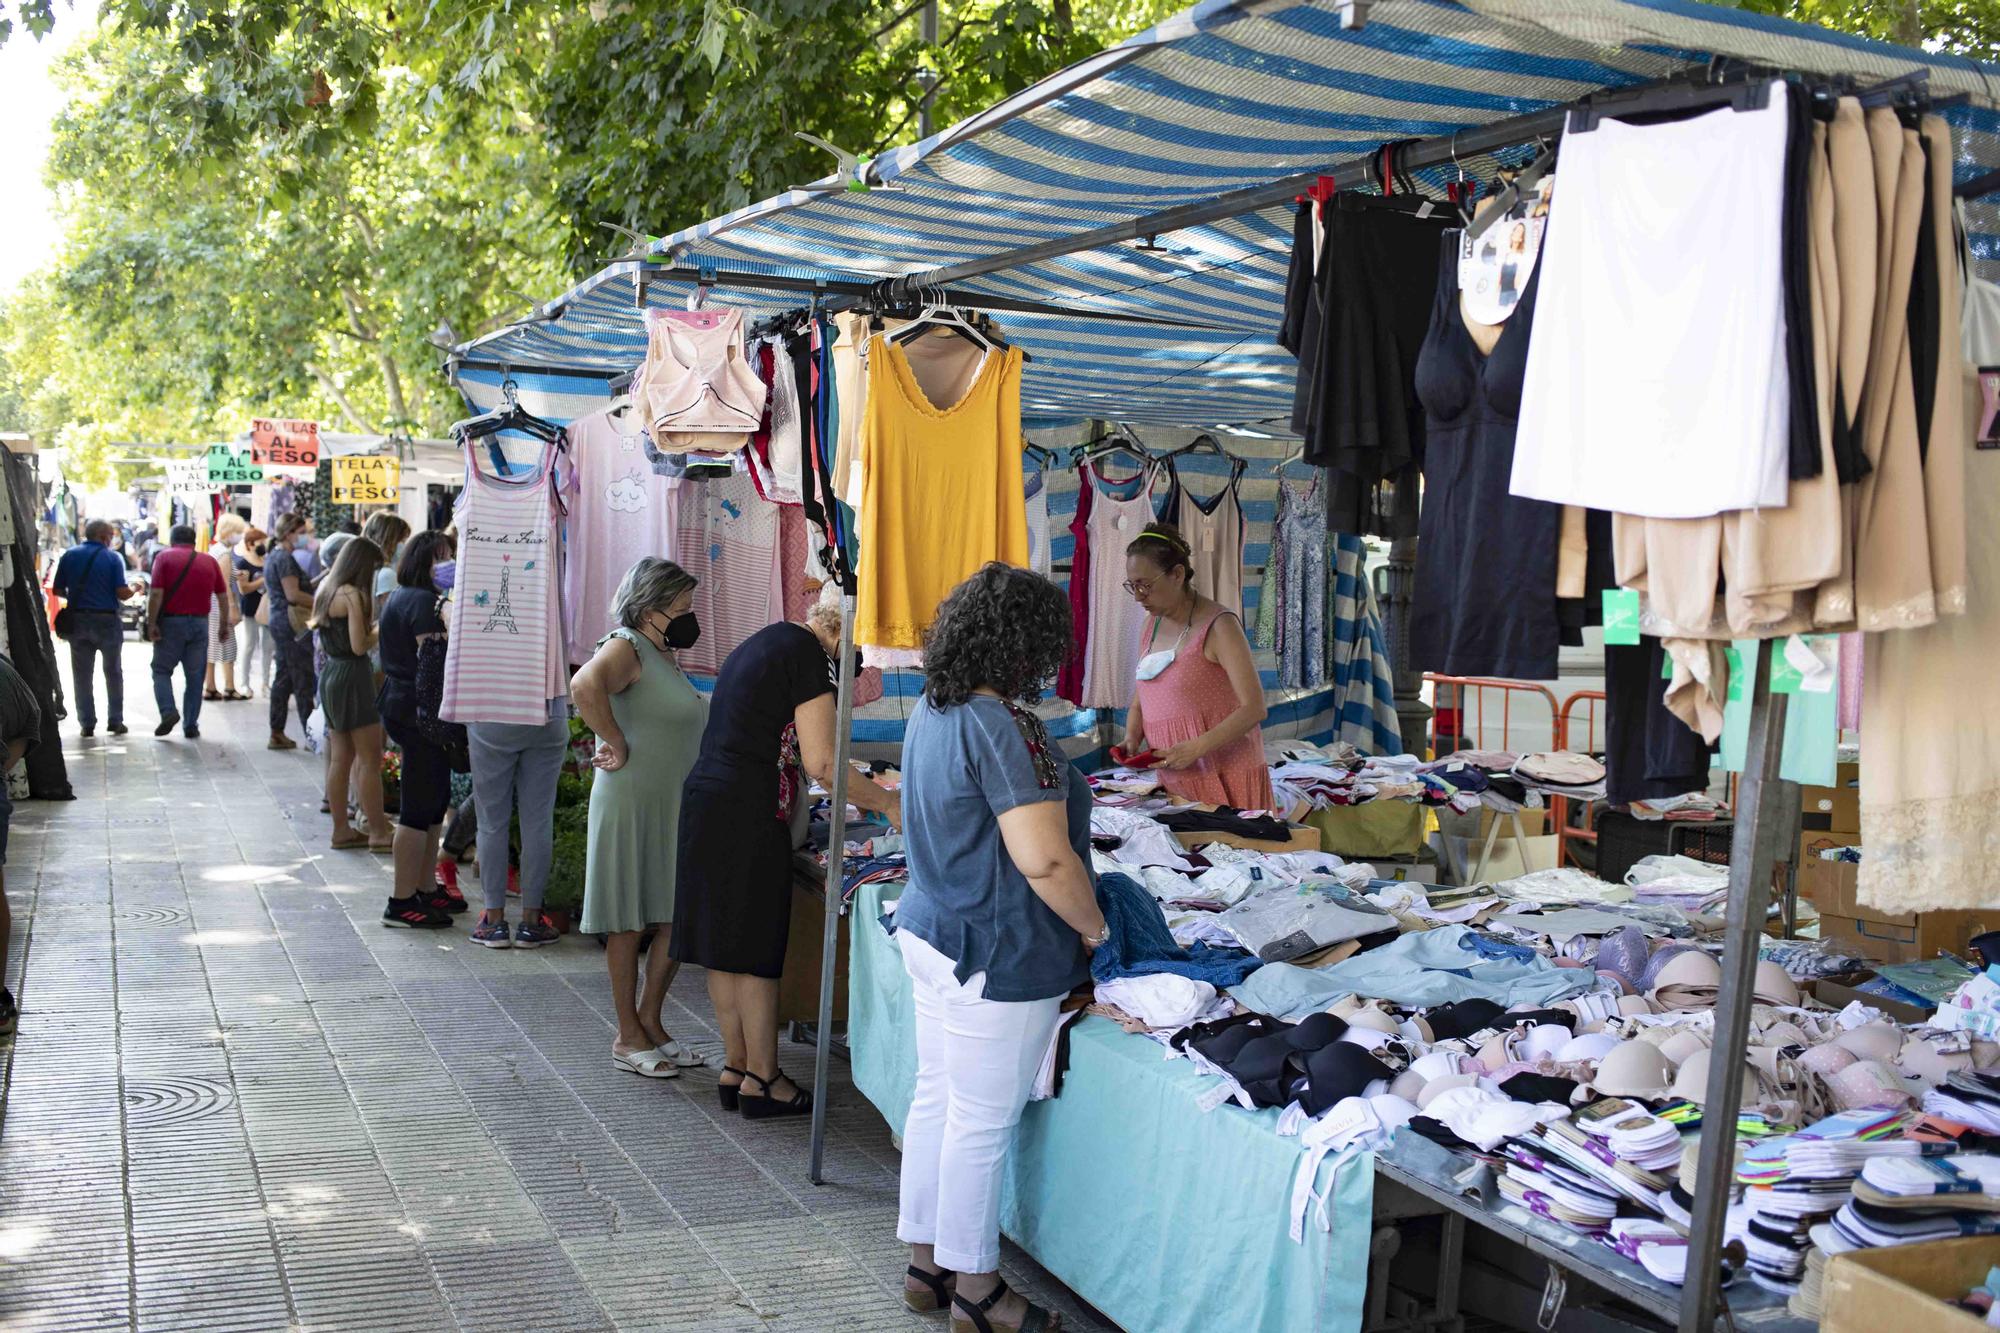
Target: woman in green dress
{"x": 648, "y": 720}
{"x": 343, "y": 613}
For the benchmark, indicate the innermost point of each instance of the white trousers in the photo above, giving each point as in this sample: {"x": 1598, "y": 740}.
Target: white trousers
{"x": 976, "y": 1063}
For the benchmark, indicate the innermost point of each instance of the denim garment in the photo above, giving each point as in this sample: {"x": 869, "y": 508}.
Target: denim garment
{"x": 183, "y": 643}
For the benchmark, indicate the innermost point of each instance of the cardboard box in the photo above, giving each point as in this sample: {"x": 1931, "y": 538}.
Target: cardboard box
{"x": 1885, "y": 937}
{"x": 1300, "y": 840}
{"x": 1835, "y": 809}
{"x": 1905, "y": 1287}
{"x": 1837, "y": 995}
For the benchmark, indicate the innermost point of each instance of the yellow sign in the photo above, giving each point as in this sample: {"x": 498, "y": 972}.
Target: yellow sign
{"x": 367, "y": 480}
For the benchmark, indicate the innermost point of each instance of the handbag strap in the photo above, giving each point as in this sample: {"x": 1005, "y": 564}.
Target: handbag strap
{"x": 180, "y": 578}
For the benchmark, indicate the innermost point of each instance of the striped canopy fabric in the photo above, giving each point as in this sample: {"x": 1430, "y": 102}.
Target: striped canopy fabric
{"x": 1228, "y": 95}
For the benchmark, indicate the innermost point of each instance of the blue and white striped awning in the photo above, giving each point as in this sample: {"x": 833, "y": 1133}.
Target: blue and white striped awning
{"x": 1230, "y": 94}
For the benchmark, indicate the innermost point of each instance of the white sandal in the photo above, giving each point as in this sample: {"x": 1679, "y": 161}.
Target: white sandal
{"x": 681, "y": 1056}
{"x": 646, "y": 1064}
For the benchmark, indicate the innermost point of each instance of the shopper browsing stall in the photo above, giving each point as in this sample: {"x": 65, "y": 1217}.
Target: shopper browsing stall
{"x": 770, "y": 727}
{"x": 1199, "y": 702}
{"x": 289, "y": 593}
{"x": 648, "y": 720}
{"x": 224, "y": 615}
{"x": 411, "y": 618}
{"x": 344, "y": 616}
{"x": 995, "y": 927}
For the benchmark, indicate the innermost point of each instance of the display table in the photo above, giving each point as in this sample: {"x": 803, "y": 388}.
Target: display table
{"x": 1163, "y": 1216}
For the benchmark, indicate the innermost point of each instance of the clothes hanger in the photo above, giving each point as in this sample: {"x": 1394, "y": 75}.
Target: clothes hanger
{"x": 1745, "y": 94}
{"x": 1209, "y": 444}
{"x": 1044, "y": 459}
{"x": 935, "y": 315}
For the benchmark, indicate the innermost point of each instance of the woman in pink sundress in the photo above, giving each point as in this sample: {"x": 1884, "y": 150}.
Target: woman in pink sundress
{"x": 1198, "y": 702}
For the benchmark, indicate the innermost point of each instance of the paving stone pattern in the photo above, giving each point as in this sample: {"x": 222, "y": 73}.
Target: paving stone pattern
{"x": 237, "y": 1102}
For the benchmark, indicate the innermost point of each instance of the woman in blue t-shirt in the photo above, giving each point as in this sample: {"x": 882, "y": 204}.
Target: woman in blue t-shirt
{"x": 995, "y": 928}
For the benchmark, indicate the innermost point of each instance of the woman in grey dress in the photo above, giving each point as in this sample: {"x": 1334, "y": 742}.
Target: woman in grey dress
{"x": 648, "y": 720}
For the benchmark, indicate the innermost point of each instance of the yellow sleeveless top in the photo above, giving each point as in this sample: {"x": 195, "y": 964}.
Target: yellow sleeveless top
{"x": 942, "y": 491}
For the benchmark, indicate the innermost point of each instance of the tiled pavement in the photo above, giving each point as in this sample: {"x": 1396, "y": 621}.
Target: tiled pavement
{"x": 238, "y": 1103}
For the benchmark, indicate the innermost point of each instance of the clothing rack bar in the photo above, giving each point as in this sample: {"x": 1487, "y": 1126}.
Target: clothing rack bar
{"x": 1346, "y": 176}
{"x": 1979, "y": 186}
{"x": 1753, "y": 851}
{"x": 836, "y": 848}
{"x": 856, "y": 293}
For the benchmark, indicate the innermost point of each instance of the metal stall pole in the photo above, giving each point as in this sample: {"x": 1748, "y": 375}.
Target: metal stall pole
{"x": 836, "y": 847}
{"x": 1752, "y": 852}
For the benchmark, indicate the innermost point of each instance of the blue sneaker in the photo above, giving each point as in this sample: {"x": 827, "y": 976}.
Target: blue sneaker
{"x": 534, "y": 934}
{"x": 491, "y": 931}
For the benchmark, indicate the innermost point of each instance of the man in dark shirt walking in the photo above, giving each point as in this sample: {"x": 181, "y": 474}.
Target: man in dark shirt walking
{"x": 185, "y": 581}
{"x": 91, "y": 578}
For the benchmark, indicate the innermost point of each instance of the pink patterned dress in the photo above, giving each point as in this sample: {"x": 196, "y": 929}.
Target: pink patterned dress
{"x": 1192, "y": 696}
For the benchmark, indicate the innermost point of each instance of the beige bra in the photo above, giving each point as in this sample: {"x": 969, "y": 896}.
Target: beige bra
{"x": 697, "y": 378}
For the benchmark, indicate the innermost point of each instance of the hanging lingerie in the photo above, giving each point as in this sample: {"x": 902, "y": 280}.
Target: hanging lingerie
{"x": 697, "y": 384}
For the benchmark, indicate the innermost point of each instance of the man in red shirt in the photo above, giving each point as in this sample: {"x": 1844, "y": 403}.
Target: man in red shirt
{"x": 185, "y": 581}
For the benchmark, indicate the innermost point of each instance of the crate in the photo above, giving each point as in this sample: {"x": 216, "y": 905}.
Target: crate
{"x": 1623, "y": 840}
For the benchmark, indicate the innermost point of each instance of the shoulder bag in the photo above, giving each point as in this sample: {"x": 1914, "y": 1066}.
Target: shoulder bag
{"x": 179, "y": 579}
{"x": 448, "y": 736}
{"x": 65, "y": 622}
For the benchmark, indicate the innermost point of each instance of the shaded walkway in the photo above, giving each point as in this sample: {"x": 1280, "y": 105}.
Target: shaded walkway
{"x": 237, "y": 1102}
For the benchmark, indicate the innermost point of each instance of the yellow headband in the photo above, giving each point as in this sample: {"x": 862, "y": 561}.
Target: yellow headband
{"x": 1178, "y": 543}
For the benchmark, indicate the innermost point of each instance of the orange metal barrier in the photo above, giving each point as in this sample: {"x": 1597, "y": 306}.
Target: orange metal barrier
{"x": 1463, "y": 724}
{"x": 1585, "y": 830}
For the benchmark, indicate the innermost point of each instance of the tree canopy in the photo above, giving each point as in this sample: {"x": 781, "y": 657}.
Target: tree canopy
{"x": 273, "y": 207}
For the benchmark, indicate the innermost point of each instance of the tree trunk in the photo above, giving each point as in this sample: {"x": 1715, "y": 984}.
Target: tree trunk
{"x": 339, "y": 396}
{"x": 392, "y": 384}
{"x": 1910, "y": 24}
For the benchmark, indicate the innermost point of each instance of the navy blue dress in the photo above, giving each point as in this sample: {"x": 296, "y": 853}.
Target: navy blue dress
{"x": 1485, "y": 599}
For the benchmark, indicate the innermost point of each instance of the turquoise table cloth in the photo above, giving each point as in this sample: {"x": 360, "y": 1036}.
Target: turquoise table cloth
{"x": 1163, "y": 1216}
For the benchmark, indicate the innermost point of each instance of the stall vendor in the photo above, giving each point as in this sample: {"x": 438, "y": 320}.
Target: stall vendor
{"x": 1199, "y": 702}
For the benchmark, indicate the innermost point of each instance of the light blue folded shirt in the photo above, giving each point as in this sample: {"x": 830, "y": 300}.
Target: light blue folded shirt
{"x": 1420, "y": 970}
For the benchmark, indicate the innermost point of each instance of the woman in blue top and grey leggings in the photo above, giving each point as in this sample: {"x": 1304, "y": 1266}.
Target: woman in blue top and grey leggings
{"x": 995, "y": 928}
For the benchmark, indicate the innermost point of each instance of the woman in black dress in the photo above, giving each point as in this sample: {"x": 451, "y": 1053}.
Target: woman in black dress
{"x": 770, "y": 726}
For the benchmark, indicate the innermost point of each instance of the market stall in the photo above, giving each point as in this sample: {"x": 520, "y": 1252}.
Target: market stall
{"x": 1098, "y": 257}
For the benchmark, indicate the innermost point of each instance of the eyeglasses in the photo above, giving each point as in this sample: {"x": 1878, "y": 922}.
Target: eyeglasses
{"x": 1138, "y": 587}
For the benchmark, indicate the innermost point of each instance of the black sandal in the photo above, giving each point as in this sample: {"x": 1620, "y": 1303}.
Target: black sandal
{"x": 1037, "y": 1320}
{"x": 726, "y": 1092}
{"x": 763, "y": 1106}
{"x": 939, "y": 1298}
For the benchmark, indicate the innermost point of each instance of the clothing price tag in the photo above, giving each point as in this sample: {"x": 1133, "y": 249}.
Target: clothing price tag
{"x": 1734, "y": 656}
{"x": 1621, "y": 616}
{"x": 1808, "y": 664}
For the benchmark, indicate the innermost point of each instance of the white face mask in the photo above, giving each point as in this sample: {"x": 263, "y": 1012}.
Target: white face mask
{"x": 1152, "y": 664}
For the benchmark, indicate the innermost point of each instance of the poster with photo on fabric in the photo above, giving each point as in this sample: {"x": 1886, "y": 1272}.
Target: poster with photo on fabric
{"x": 1494, "y": 267}
{"x": 284, "y": 442}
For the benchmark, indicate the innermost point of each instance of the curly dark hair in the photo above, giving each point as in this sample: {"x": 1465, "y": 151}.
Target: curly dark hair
{"x": 1005, "y": 628}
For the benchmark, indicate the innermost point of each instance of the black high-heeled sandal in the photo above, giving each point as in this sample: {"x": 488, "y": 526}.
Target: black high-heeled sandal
{"x": 726, "y": 1092}
{"x": 763, "y": 1106}
{"x": 1037, "y": 1320}
{"x": 939, "y": 1298}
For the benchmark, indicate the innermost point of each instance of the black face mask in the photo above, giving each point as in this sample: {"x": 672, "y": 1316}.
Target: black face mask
{"x": 683, "y": 631}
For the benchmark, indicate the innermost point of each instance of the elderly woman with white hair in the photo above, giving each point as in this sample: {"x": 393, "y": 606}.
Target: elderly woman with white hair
{"x": 222, "y": 620}
{"x": 770, "y": 728}
{"x": 648, "y": 720}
